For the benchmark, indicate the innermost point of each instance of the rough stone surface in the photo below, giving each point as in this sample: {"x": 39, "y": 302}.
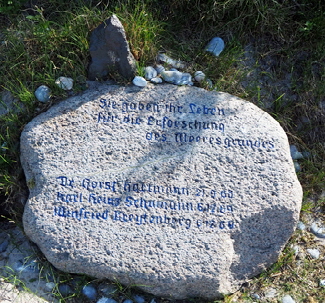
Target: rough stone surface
{"x": 110, "y": 52}
{"x": 181, "y": 191}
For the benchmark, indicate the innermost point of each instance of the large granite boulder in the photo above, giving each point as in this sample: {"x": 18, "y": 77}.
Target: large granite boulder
{"x": 110, "y": 52}
{"x": 180, "y": 191}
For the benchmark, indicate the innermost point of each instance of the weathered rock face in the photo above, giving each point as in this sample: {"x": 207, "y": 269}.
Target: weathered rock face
{"x": 182, "y": 191}
{"x": 110, "y": 51}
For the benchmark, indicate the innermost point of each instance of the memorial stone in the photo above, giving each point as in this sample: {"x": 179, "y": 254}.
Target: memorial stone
{"x": 180, "y": 191}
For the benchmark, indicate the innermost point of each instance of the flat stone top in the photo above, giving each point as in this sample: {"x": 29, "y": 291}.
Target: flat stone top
{"x": 183, "y": 191}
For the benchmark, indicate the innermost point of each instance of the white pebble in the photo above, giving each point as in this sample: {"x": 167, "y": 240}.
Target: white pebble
{"x": 322, "y": 283}
{"x": 64, "y": 83}
{"x": 139, "y": 81}
{"x": 199, "y": 76}
{"x": 288, "y": 299}
{"x": 156, "y": 80}
{"x": 270, "y": 293}
{"x": 174, "y": 63}
{"x": 159, "y": 68}
{"x": 43, "y": 93}
{"x": 296, "y": 249}
{"x": 150, "y": 73}
{"x": 171, "y": 76}
{"x": 317, "y": 231}
{"x": 215, "y": 46}
{"x": 301, "y": 226}
{"x": 314, "y": 253}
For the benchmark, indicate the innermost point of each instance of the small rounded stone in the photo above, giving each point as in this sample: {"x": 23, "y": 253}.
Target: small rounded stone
{"x": 215, "y": 46}
{"x": 139, "y": 299}
{"x": 322, "y": 283}
{"x": 297, "y": 166}
{"x": 50, "y": 285}
{"x": 43, "y": 94}
{"x": 4, "y": 245}
{"x": 64, "y": 83}
{"x": 301, "y": 226}
{"x": 150, "y": 73}
{"x": 317, "y": 231}
{"x": 90, "y": 292}
{"x": 139, "y": 81}
{"x": 65, "y": 290}
{"x": 159, "y": 68}
{"x": 314, "y": 253}
{"x": 156, "y": 80}
{"x": 288, "y": 299}
{"x": 295, "y": 154}
{"x": 199, "y": 76}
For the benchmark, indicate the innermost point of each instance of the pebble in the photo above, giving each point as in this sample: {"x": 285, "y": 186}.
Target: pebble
{"x": 50, "y": 286}
{"x": 90, "y": 292}
{"x": 210, "y": 84}
{"x": 43, "y": 94}
{"x": 159, "y": 68}
{"x": 322, "y": 283}
{"x": 306, "y": 154}
{"x": 317, "y": 231}
{"x": 174, "y": 63}
{"x": 65, "y": 290}
{"x": 199, "y": 76}
{"x": 139, "y": 81}
{"x": 4, "y": 245}
{"x": 255, "y": 296}
{"x": 295, "y": 154}
{"x": 314, "y": 253}
{"x": 215, "y": 46}
{"x": 288, "y": 299}
{"x": 156, "y": 80}
{"x": 64, "y": 83}
{"x": 153, "y": 301}
{"x": 176, "y": 77}
{"x": 171, "y": 76}
{"x": 150, "y": 73}
{"x": 139, "y": 299}
{"x": 106, "y": 300}
{"x": 270, "y": 293}
{"x": 297, "y": 166}
{"x": 127, "y": 301}
{"x": 296, "y": 249}
{"x": 301, "y": 226}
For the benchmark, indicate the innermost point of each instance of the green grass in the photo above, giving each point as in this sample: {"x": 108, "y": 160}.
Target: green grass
{"x": 43, "y": 42}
